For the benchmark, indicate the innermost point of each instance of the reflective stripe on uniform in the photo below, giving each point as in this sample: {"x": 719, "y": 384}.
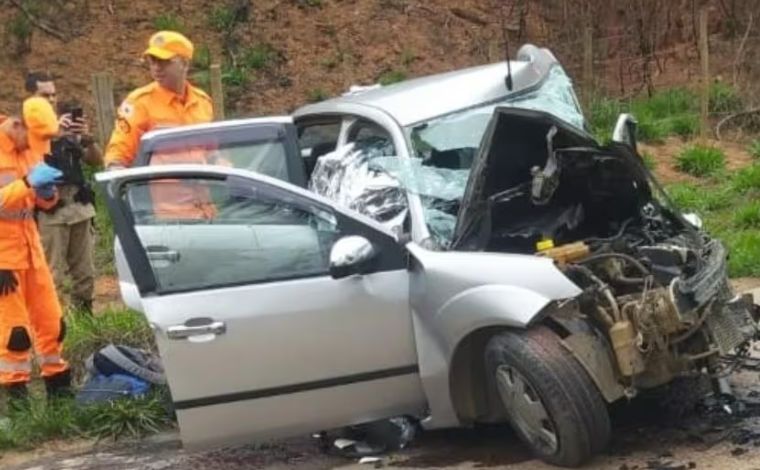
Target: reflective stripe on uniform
{"x": 21, "y": 214}
{"x": 8, "y": 366}
{"x": 51, "y": 359}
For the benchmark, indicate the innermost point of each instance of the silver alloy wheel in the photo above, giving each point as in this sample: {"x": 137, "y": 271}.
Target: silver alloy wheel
{"x": 525, "y": 408}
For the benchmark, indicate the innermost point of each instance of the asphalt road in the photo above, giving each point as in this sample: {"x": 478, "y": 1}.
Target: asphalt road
{"x": 645, "y": 438}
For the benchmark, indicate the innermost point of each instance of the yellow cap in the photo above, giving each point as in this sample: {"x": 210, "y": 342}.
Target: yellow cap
{"x": 544, "y": 244}
{"x": 168, "y": 44}
{"x": 41, "y": 124}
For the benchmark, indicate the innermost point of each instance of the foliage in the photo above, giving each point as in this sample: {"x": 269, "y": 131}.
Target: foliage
{"x": 18, "y": 31}
{"x": 258, "y": 56}
{"x": 223, "y": 19}
{"x": 392, "y": 76}
{"x": 698, "y": 160}
{"x": 748, "y": 216}
{"x": 87, "y": 333}
{"x": 316, "y": 94}
{"x": 747, "y": 179}
{"x": 754, "y": 149}
{"x": 168, "y": 22}
{"x": 649, "y": 161}
{"x": 731, "y": 213}
{"x": 723, "y": 98}
{"x": 63, "y": 419}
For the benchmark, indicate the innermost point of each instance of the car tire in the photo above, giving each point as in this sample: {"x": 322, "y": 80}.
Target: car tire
{"x": 551, "y": 402}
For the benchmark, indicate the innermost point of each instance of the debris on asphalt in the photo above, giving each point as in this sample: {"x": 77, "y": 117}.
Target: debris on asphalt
{"x": 372, "y": 439}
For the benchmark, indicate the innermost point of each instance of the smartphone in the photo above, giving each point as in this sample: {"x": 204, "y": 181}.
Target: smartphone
{"x": 77, "y": 113}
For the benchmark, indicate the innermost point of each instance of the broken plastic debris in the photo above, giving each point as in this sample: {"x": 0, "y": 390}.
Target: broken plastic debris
{"x": 368, "y": 460}
{"x": 343, "y": 443}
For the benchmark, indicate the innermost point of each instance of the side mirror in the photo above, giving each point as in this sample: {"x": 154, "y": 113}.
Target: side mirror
{"x": 351, "y": 255}
{"x": 625, "y": 130}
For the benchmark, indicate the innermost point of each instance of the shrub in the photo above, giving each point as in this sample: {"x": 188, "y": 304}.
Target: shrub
{"x": 747, "y": 179}
{"x": 258, "y": 56}
{"x": 690, "y": 197}
{"x": 223, "y": 19}
{"x": 754, "y": 149}
{"x": 202, "y": 57}
{"x": 391, "y": 77}
{"x": 602, "y": 116}
{"x": 697, "y": 160}
{"x": 649, "y": 160}
{"x": 168, "y": 21}
{"x": 744, "y": 247}
{"x": 684, "y": 125}
{"x": 724, "y": 98}
{"x": 748, "y": 216}
{"x": 316, "y": 94}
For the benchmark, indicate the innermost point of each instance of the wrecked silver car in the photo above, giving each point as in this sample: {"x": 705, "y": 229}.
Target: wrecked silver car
{"x": 478, "y": 260}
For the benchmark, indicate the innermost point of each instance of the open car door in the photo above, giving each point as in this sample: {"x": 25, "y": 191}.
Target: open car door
{"x": 257, "y": 338}
{"x": 265, "y": 145}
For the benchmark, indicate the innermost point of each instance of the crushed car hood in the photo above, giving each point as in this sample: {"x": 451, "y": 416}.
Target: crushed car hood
{"x": 518, "y": 194}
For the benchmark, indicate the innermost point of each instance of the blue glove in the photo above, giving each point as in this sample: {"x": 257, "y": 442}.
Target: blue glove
{"x": 43, "y": 175}
{"x": 45, "y": 192}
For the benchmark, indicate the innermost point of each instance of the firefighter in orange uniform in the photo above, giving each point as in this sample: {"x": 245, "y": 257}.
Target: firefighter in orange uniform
{"x": 30, "y": 313}
{"x": 169, "y": 101}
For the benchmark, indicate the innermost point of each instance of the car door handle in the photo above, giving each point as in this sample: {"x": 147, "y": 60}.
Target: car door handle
{"x": 184, "y": 331}
{"x": 162, "y": 253}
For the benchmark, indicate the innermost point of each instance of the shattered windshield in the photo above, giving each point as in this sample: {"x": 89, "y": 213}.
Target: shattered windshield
{"x": 445, "y": 147}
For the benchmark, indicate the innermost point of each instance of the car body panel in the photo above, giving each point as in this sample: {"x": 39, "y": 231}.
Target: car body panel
{"x": 283, "y": 342}
{"x": 455, "y": 293}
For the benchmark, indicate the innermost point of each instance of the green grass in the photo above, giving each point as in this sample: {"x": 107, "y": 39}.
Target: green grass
{"x": 168, "y": 21}
{"x": 748, "y": 216}
{"x": 729, "y": 208}
{"x": 258, "y": 56}
{"x": 649, "y": 161}
{"x": 391, "y": 77}
{"x": 698, "y": 160}
{"x": 63, "y": 419}
{"x": 104, "y": 240}
{"x": 673, "y": 111}
{"x": 747, "y": 179}
{"x": 316, "y": 94}
{"x": 86, "y": 334}
{"x": 724, "y": 99}
{"x": 223, "y": 19}
{"x": 754, "y": 149}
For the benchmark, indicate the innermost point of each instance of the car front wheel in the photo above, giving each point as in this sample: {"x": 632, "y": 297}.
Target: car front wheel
{"x": 550, "y": 400}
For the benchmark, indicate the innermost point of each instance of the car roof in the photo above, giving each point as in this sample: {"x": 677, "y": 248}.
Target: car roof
{"x": 424, "y": 98}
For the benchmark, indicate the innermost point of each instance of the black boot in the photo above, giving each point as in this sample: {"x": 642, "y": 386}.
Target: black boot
{"x": 59, "y": 386}
{"x": 18, "y": 397}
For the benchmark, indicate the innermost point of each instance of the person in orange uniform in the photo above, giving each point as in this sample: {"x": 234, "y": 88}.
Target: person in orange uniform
{"x": 30, "y": 312}
{"x": 169, "y": 101}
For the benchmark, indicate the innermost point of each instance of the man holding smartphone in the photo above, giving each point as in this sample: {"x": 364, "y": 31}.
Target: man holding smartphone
{"x": 67, "y": 229}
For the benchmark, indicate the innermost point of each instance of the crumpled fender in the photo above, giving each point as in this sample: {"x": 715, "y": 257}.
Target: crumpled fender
{"x": 489, "y": 305}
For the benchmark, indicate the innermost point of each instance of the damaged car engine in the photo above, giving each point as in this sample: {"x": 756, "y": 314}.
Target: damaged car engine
{"x": 654, "y": 284}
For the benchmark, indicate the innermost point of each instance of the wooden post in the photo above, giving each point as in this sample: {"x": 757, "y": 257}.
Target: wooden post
{"x": 588, "y": 69}
{"x": 105, "y": 110}
{"x": 217, "y": 91}
{"x": 704, "y": 51}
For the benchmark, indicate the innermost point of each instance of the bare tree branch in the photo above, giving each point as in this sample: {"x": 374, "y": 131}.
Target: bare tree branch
{"x": 723, "y": 121}
{"x": 740, "y": 50}
{"x": 36, "y": 21}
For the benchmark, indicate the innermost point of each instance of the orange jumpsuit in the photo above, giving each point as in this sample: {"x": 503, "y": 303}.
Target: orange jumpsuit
{"x": 153, "y": 107}
{"x": 31, "y": 314}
